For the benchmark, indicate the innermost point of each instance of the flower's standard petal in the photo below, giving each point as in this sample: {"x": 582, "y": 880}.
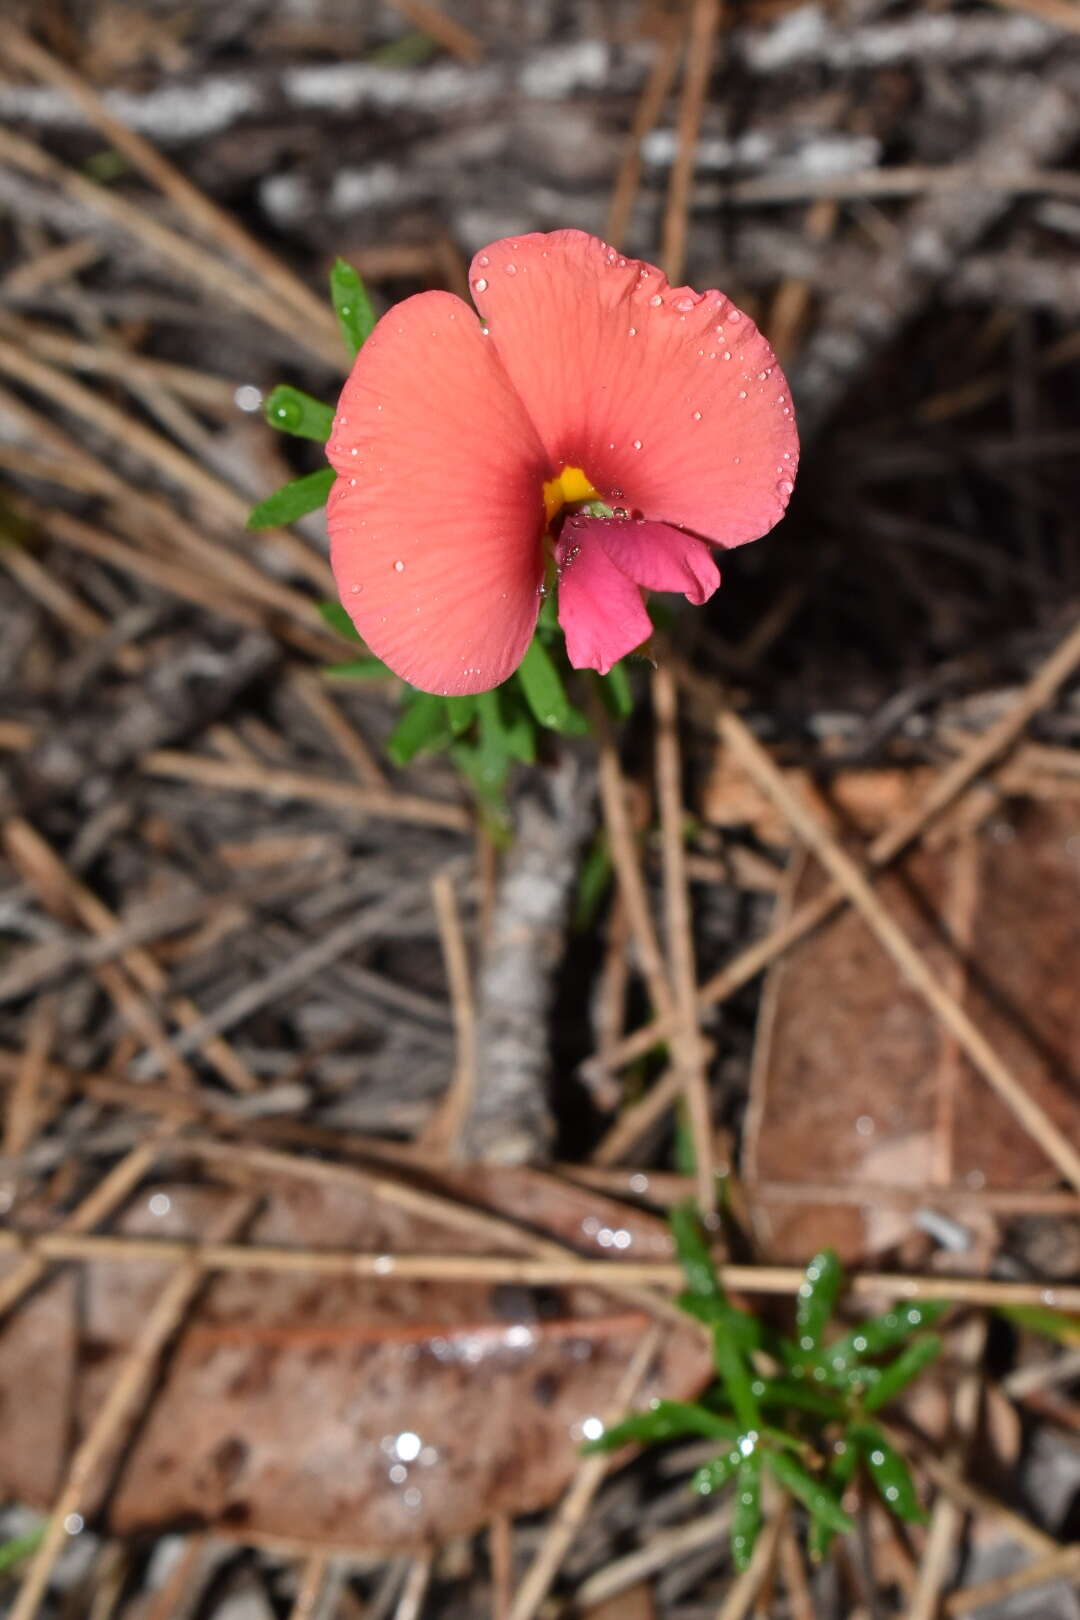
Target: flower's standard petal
{"x": 437, "y": 514}
{"x": 659, "y": 557}
{"x": 670, "y": 401}
{"x": 600, "y": 607}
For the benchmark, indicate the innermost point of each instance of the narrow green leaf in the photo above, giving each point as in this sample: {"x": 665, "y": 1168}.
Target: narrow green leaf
{"x": 617, "y": 691}
{"x": 693, "y": 1253}
{"x": 779, "y": 1392}
{"x": 746, "y": 1512}
{"x": 594, "y": 881}
{"x": 665, "y": 1420}
{"x": 880, "y": 1333}
{"x": 352, "y": 306}
{"x": 337, "y": 618}
{"x": 818, "y": 1293}
{"x": 1043, "y": 1319}
{"x": 544, "y": 691}
{"x": 839, "y": 1473}
{"x": 899, "y": 1373}
{"x": 293, "y": 500}
{"x": 20, "y": 1548}
{"x": 290, "y": 410}
{"x": 742, "y": 1328}
{"x": 738, "y": 1380}
{"x": 889, "y": 1472}
{"x": 813, "y": 1493}
{"x": 714, "y": 1475}
{"x": 359, "y": 669}
{"x": 461, "y": 712}
{"x": 424, "y": 724}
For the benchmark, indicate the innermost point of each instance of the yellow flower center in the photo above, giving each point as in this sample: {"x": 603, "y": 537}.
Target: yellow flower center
{"x": 568, "y": 489}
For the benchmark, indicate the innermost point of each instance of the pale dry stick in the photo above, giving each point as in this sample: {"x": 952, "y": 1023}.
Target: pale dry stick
{"x": 971, "y": 1498}
{"x": 996, "y": 1200}
{"x": 704, "y": 22}
{"x": 1061, "y": 1565}
{"x": 688, "y": 1045}
{"x": 107, "y": 1425}
{"x": 312, "y": 1581}
{"x": 650, "y": 104}
{"x": 623, "y": 1277}
{"x": 413, "y": 1593}
{"x": 946, "y": 1520}
{"x": 451, "y": 35}
{"x": 792, "y": 298}
{"x": 33, "y": 855}
{"x": 235, "y": 776}
{"x": 848, "y": 876}
{"x": 501, "y": 1560}
{"x": 348, "y": 741}
{"x": 574, "y": 1506}
{"x": 1042, "y": 1375}
{"x": 169, "y": 1600}
{"x": 178, "y": 252}
{"x": 627, "y": 867}
{"x": 217, "y": 226}
{"x": 899, "y": 180}
{"x": 161, "y": 453}
{"x": 443, "y": 1135}
{"x": 110, "y": 1192}
{"x": 202, "y": 388}
{"x": 20, "y": 1119}
{"x": 662, "y": 1549}
{"x": 56, "y": 264}
{"x": 746, "y": 1586}
{"x": 53, "y": 595}
{"x": 949, "y": 784}
{"x": 793, "y": 1573}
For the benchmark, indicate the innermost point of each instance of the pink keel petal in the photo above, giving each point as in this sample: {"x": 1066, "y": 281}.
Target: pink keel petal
{"x": 600, "y": 607}
{"x": 657, "y": 556}
{"x": 671, "y": 401}
{"x": 436, "y": 517}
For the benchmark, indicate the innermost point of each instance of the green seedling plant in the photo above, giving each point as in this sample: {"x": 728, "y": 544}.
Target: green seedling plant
{"x": 798, "y": 1410}
{"x": 485, "y": 735}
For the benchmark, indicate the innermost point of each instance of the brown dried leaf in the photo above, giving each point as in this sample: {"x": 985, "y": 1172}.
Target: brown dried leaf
{"x": 369, "y": 1412}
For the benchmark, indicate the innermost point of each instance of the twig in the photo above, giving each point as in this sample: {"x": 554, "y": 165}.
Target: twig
{"x": 107, "y": 1425}
{"x": 451, "y": 35}
{"x": 21, "y": 1117}
{"x": 564, "y": 1269}
{"x": 746, "y": 1586}
{"x": 704, "y": 21}
{"x": 1053, "y": 1141}
{"x": 1061, "y": 1565}
{"x": 352, "y": 747}
{"x": 680, "y": 938}
{"x": 443, "y": 1134}
{"x": 655, "y": 93}
{"x": 575, "y": 1504}
{"x": 415, "y": 1589}
{"x": 662, "y": 1549}
{"x": 947, "y": 1518}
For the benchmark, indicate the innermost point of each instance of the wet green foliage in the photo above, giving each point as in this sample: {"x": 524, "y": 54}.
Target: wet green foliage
{"x": 796, "y": 1409}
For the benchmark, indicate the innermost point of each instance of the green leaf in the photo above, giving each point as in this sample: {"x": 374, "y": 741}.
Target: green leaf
{"x": 791, "y": 1392}
{"x": 838, "y": 1476}
{"x": 461, "y": 712}
{"x": 423, "y": 725}
{"x": 814, "y": 1494}
{"x": 879, "y": 1334}
{"x": 19, "y": 1548}
{"x": 594, "y": 880}
{"x": 360, "y": 669}
{"x": 713, "y": 1476}
{"x": 337, "y": 618}
{"x": 738, "y": 1380}
{"x": 290, "y": 410}
{"x": 544, "y": 691}
{"x": 1043, "y": 1319}
{"x": 665, "y": 1420}
{"x": 746, "y": 1512}
{"x": 684, "y": 1152}
{"x": 889, "y": 1472}
{"x": 293, "y": 500}
{"x": 817, "y": 1297}
{"x": 617, "y": 691}
{"x": 899, "y": 1373}
{"x": 352, "y": 306}
{"x": 693, "y": 1253}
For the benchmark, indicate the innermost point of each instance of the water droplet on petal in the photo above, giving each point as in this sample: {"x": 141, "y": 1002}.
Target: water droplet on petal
{"x": 511, "y": 269}
{"x": 637, "y": 444}
{"x": 483, "y": 259}
{"x": 697, "y": 416}
{"x": 742, "y": 393}
{"x": 399, "y": 567}
{"x": 656, "y": 300}
{"x": 480, "y": 284}
{"x": 685, "y": 302}
{"x": 734, "y": 315}
{"x": 633, "y": 331}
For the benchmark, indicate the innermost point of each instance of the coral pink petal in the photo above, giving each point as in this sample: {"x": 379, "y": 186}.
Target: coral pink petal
{"x": 436, "y": 516}
{"x": 657, "y": 556}
{"x": 600, "y": 607}
{"x": 669, "y": 400}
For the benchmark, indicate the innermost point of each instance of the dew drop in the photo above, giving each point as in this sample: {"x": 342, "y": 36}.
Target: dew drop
{"x": 685, "y": 302}
{"x": 633, "y": 331}
{"x": 697, "y": 416}
{"x": 480, "y": 284}
{"x": 785, "y": 486}
{"x": 399, "y": 567}
{"x": 483, "y": 259}
{"x": 742, "y": 393}
{"x": 511, "y": 269}
{"x": 637, "y": 444}
{"x": 656, "y": 300}
{"x": 727, "y": 354}
{"x": 734, "y": 315}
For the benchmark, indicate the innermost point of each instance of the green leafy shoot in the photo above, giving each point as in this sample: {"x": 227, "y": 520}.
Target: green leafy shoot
{"x": 797, "y": 1410}
{"x": 290, "y": 410}
{"x": 20, "y": 1548}
{"x": 336, "y": 617}
{"x": 293, "y": 500}
{"x": 352, "y": 305}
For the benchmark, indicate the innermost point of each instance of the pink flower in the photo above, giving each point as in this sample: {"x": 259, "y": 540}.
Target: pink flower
{"x": 466, "y": 451}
